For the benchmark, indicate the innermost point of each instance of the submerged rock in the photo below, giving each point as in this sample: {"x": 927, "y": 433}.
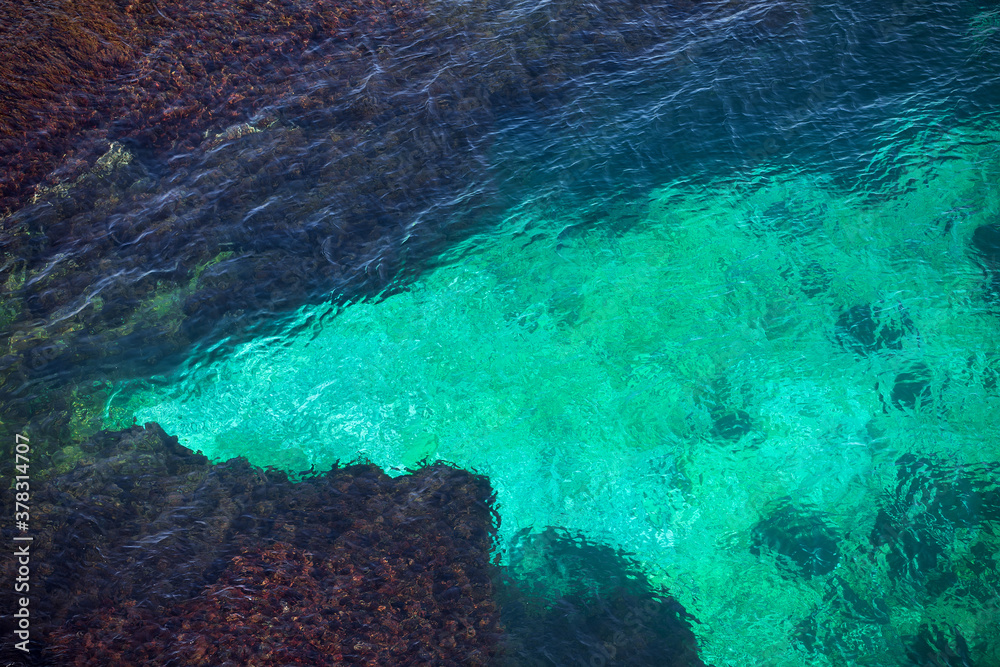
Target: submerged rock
{"x": 932, "y": 647}
{"x": 986, "y": 243}
{"x": 804, "y": 543}
{"x": 731, "y": 424}
{"x": 935, "y": 509}
{"x": 959, "y": 496}
{"x": 864, "y": 330}
{"x": 187, "y": 172}
{"x": 815, "y": 279}
{"x": 568, "y": 601}
{"x": 912, "y": 388}
{"x": 145, "y": 553}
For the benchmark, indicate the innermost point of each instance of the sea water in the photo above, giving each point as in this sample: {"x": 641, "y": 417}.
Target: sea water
{"x": 654, "y": 344}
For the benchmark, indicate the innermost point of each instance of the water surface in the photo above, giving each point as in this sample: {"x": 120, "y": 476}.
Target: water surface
{"x": 728, "y": 319}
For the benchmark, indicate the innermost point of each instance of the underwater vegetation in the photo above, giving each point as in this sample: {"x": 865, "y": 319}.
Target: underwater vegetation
{"x": 911, "y": 388}
{"x": 155, "y": 75}
{"x": 148, "y": 554}
{"x": 726, "y": 423}
{"x": 194, "y": 201}
{"x": 56, "y": 59}
{"x": 731, "y": 424}
{"x": 935, "y": 538}
{"x": 180, "y": 173}
{"x": 933, "y": 647}
{"x": 933, "y": 506}
{"x": 865, "y": 329}
{"x": 986, "y": 245}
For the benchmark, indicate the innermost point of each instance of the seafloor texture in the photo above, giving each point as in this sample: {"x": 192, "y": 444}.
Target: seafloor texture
{"x": 782, "y": 397}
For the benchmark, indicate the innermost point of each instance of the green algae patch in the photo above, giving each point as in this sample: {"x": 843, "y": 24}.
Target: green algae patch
{"x": 198, "y": 270}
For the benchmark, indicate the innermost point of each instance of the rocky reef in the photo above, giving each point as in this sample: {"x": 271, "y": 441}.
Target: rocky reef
{"x": 176, "y": 174}
{"x": 566, "y": 600}
{"x": 986, "y": 253}
{"x": 801, "y": 539}
{"x": 934, "y": 538}
{"x": 147, "y": 554}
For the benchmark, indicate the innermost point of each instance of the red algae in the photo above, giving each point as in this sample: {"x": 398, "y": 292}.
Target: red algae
{"x": 285, "y": 606}
{"x": 76, "y": 74}
{"x": 151, "y": 555}
{"x": 147, "y": 554}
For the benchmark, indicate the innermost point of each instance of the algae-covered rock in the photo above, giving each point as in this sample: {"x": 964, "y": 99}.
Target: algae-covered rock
{"x": 866, "y": 329}
{"x": 223, "y": 163}
{"x": 146, "y": 553}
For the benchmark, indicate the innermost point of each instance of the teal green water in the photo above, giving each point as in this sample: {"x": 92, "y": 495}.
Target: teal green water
{"x": 579, "y": 368}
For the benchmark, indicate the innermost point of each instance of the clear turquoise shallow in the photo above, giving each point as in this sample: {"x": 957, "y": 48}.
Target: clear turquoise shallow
{"x": 642, "y": 278}
{"x": 579, "y": 369}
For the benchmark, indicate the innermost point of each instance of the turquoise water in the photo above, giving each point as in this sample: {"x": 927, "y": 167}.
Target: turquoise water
{"x": 698, "y": 281}
{"x": 585, "y": 355}
{"x": 724, "y": 314}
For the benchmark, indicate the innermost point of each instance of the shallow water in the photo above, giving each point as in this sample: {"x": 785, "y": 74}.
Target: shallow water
{"x": 590, "y": 374}
{"x": 728, "y": 319}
